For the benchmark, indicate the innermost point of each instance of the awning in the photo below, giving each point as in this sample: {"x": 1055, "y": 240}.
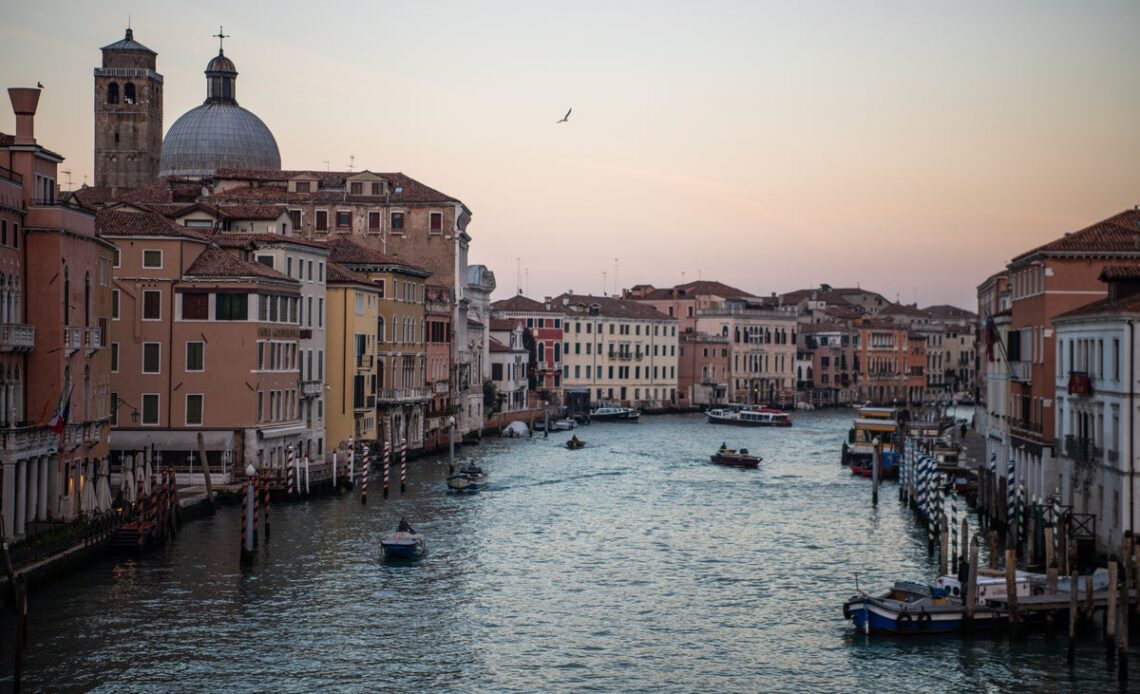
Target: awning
{"x": 167, "y": 440}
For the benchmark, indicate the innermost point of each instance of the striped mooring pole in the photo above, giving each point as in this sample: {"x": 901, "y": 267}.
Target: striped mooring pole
{"x": 351, "y": 462}
{"x": 364, "y": 475}
{"x": 246, "y": 554}
{"x": 253, "y": 482}
{"x": 290, "y": 473}
{"x": 265, "y": 503}
{"x": 1022, "y": 525}
{"x": 403, "y": 466}
{"x": 953, "y": 528}
{"x": 1010, "y": 494}
{"x": 387, "y": 456}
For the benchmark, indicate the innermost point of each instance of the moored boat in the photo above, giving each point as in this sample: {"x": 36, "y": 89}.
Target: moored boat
{"x": 734, "y": 458}
{"x": 615, "y": 414}
{"x": 913, "y": 608}
{"x": 470, "y": 479}
{"x": 574, "y": 443}
{"x": 756, "y": 417}
{"x": 405, "y": 543}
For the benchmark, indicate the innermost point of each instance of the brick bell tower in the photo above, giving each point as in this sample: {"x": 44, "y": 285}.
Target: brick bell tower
{"x": 128, "y": 115}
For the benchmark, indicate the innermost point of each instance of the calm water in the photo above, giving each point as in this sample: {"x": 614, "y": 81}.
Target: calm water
{"x": 631, "y": 565}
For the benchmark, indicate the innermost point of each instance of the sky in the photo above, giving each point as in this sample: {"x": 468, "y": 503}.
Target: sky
{"x": 907, "y": 147}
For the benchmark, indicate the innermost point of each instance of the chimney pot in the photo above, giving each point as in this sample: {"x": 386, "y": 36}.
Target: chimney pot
{"x": 25, "y": 100}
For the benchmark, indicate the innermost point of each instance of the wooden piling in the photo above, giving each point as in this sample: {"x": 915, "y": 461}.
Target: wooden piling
{"x": 1089, "y": 597}
{"x": 246, "y": 554}
{"x": 1031, "y": 538}
{"x": 875, "y": 475}
{"x": 943, "y": 547}
{"x": 265, "y": 504}
{"x": 21, "y": 593}
{"x": 1072, "y": 615}
{"x": 972, "y": 582}
{"x": 994, "y": 553}
{"x": 964, "y": 537}
{"x": 206, "y": 471}
{"x": 1122, "y": 629}
{"x": 1110, "y": 612}
{"x": 1011, "y": 583}
{"x": 1048, "y": 547}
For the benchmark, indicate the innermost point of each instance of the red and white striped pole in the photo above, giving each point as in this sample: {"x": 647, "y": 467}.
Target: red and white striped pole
{"x": 256, "y": 506}
{"x": 403, "y": 465}
{"x": 265, "y": 503}
{"x": 364, "y": 475}
{"x": 387, "y": 451}
{"x": 290, "y": 473}
{"x": 351, "y": 462}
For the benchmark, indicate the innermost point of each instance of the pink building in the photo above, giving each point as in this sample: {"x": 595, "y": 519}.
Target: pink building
{"x": 54, "y": 303}
{"x": 544, "y": 323}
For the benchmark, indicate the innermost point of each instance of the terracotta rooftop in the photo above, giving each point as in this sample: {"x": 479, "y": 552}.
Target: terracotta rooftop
{"x": 609, "y": 306}
{"x": 1129, "y": 305}
{"x": 241, "y": 212}
{"x": 263, "y": 239}
{"x": 902, "y": 310}
{"x": 335, "y": 273}
{"x": 496, "y": 346}
{"x": 501, "y": 324}
{"x": 948, "y": 312}
{"x": 1119, "y": 234}
{"x": 215, "y": 262}
{"x": 1119, "y": 272}
{"x": 330, "y": 187}
{"x": 141, "y": 222}
{"x": 690, "y": 290}
{"x": 348, "y": 252}
{"x": 521, "y": 304}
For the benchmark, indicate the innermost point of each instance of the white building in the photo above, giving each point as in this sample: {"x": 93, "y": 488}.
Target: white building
{"x": 510, "y": 361}
{"x": 1098, "y": 425}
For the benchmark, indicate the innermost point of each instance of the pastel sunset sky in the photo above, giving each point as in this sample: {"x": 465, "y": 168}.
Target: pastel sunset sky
{"x": 908, "y": 147}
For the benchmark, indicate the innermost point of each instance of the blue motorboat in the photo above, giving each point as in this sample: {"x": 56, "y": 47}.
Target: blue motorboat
{"x": 470, "y": 479}
{"x": 405, "y": 543}
{"x": 913, "y": 608}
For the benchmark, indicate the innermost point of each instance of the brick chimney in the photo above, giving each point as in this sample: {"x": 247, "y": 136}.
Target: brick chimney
{"x": 24, "y": 102}
{"x": 1123, "y": 281}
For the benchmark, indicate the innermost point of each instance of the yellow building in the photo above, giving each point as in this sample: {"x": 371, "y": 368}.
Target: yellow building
{"x": 351, "y": 384}
{"x": 399, "y": 349}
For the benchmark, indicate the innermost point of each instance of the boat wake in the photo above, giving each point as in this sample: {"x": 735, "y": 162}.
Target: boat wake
{"x": 561, "y": 480}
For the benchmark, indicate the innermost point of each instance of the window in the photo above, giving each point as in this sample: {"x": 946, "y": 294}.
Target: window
{"x": 115, "y": 304}
{"x": 310, "y": 271}
{"x": 356, "y": 188}
{"x": 380, "y": 288}
{"x": 295, "y": 218}
{"x": 373, "y": 221}
{"x": 152, "y": 258}
{"x": 152, "y": 305}
{"x": 195, "y": 356}
{"x": 359, "y": 304}
{"x": 321, "y": 272}
{"x": 303, "y": 186}
{"x": 289, "y": 266}
{"x": 114, "y": 357}
{"x": 322, "y": 220}
{"x": 397, "y": 222}
{"x": 377, "y": 188}
{"x": 435, "y": 222}
{"x": 195, "y": 306}
{"x": 194, "y": 409}
{"x": 113, "y": 93}
{"x": 320, "y": 312}
{"x": 150, "y": 409}
{"x": 231, "y": 307}
{"x": 343, "y": 219}
{"x": 152, "y": 357}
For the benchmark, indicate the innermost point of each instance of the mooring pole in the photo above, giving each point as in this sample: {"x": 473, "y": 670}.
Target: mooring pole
{"x": 875, "y": 472}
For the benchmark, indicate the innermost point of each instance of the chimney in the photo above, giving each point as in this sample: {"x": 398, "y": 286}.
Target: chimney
{"x": 24, "y": 102}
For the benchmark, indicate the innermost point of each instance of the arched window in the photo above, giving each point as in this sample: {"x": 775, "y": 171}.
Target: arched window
{"x": 380, "y": 335}
{"x": 380, "y": 373}
{"x": 129, "y": 93}
{"x": 113, "y": 93}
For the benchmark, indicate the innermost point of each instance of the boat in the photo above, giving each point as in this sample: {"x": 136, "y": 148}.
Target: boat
{"x": 913, "y": 608}
{"x": 515, "y": 429}
{"x": 565, "y": 424}
{"x": 754, "y": 417}
{"x": 872, "y": 423}
{"x": 405, "y": 543}
{"x": 733, "y": 458}
{"x": 615, "y": 414}
{"x": 888, "y": 467}
{"x": 574, "y": 443}
{"x": 990, "y": 587}
{"x": 470, "y": 479}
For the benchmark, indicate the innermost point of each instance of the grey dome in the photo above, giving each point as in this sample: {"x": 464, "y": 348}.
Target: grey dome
{"x": 217, "y": 135}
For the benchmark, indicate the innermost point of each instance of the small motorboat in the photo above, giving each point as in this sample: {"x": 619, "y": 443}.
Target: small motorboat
{"x": 615, "y": 414}
{"x": 515, "y": 429}
{"x": 574, "y": 443}
{"x": 734, "y": 458}
{"x": 470, "y": 479}
{"x": 913, "y": 608}
{"x": 405, "y": 543}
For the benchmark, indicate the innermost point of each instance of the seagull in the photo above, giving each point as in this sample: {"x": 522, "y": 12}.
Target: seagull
{"x": 564, "y": 118}
{"x": 39, "y": 85}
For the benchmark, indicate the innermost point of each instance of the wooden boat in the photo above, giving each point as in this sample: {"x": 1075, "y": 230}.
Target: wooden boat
{"x": 405, "y": 543}
{"x": 470, "y": 479}
{"x": 755, "y": 417}
{"x": 741, "y": 458}
{"x": 574, "y": 443}
{"x": 615, "y": 414}
{"x": 912, "y": 608}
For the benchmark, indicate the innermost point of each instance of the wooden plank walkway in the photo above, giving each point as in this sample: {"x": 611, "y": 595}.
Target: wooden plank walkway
{"x": 1055, "y": 601}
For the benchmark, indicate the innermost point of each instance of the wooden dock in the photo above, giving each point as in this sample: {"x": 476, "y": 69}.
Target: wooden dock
{"x": 1053, "y": 602}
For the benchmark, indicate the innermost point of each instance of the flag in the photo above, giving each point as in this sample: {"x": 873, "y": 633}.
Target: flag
{"x": 59, "y": 418}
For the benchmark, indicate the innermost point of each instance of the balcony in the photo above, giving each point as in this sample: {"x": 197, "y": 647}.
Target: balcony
{"x": 364, "y": 404}
{"x": 392, "y": 396}
{"x": 92, "y": 434}
{"x": 1025, "y": 429}
{"x": 1080, "y": 384}
{"x": 441, "y": 387}
{"x": 1082, "y": 450}
{"x": 1021, "y": 371}
{"x": 93, "y": 339}
{"x": 28, "y": 438}
{"x": 365, "y": 361}
{"x": 311, "y": 389}
{"x": 17, "y": 337}
{"x": 72, "y": 339}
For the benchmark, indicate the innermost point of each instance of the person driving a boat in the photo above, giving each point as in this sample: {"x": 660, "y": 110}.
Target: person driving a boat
{"x": 574, "y": 438}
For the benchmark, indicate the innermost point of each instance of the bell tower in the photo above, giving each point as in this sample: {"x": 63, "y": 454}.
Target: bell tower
{"x": 128, "y": 115}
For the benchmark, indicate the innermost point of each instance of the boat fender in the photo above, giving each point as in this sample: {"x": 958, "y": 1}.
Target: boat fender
{"x": 905, "y": 620}
{"x": 924, "y": 620}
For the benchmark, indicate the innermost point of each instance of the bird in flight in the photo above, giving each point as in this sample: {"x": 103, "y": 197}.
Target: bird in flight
{"x": 564, "y": 118}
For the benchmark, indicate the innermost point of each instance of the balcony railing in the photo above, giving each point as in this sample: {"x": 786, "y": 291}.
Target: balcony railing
{"x": 17, "y": 337}
{"x": 1082, "y": 450}
{"x": 397, "y": 395}
{"x": 28, "y": 438}
{"x": 73, "y": 338}
{"x": 364, "y": 361}
{"x": 441, "y": 387}
{"x": 1021, "y": 371}
{"x": 94, "y": 338}
{"x": 311, "y": 389}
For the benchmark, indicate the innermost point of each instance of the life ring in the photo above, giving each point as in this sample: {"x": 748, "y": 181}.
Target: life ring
{"x": 924, "y": 620}
{"x": 905, "y": 620}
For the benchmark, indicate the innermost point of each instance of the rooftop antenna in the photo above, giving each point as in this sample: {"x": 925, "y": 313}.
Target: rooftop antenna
{"x": 616, "y": 285}
{"x": 605, "y": 286}
{"x": 518, "y": 274}
{"x": 682, "y": 276}
{"x": 526, "y": 279}
{"x": 68, "y": 174}
{"x": 351, "y": 162}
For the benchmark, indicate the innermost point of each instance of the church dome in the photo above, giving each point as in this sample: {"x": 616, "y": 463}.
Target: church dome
{"x": 219, "y": 134}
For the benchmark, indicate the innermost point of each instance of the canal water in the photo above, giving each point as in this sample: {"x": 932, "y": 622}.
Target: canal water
{"x": 630, "y": 565}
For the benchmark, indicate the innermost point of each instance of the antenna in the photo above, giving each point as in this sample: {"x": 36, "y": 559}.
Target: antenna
{"x": 526, "y": 279}
{"x": 68, "y": 174}
{"x": 682, "y": 276}
{"x": 351, "y": 162}
{"x": 604, "y": 285}
{"x": 616, "y": 285}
